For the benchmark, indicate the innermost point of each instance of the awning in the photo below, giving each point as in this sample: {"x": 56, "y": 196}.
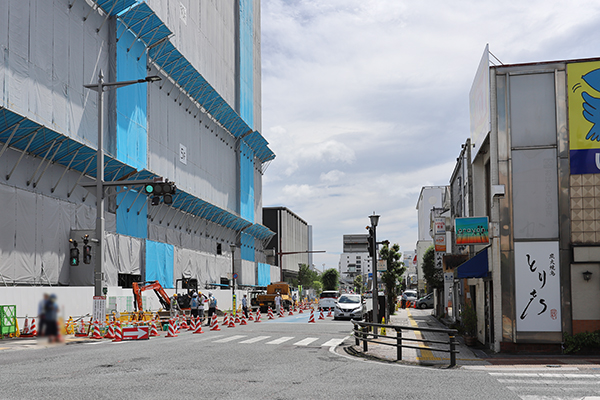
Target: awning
{"x": 476, "y": 267}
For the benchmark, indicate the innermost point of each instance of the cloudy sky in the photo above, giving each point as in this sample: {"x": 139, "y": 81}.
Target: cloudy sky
{"x": 366, "y": 101}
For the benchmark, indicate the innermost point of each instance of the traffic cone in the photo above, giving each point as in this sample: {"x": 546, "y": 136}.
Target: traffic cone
{"x": 96, "y": 334}
{"x": 118, "y": 333}
{"x": 81, "y": 330}
{"x": 192, "y": 325}
{"x": 257, "y": 316}
{"x": 281, "y": 314}
{"x": 270, "y": 313}
{"x": 214, "y": 324}
{"x": 25, "y": 331}
{"x": 110, "y": 332}
{"x": 243, "y": 320}
{"x": 300, "y": 310}
{"x": 184, "y": 324}
{"x": 226, "y": 319}
{"x": 32, "y": 328}
{"x": 250, "y": 317}
{"x": 198, "y": 326}
{"x": 321, "y": 314}
{"x": 290, "y": 313}
{"x": 172, "y": 332}
{"x": 311, "y": 319}
{"x": 153, "y": 330}
{"x": 329, "y": 313}
{"x": 237, "y": 318}
{"x": 231, "y": 323}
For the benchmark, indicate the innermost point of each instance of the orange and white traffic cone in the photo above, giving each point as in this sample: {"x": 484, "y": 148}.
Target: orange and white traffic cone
{"x": 321, "y": 314}
{"x": 281, "y": 312}
{"x": 231, "y": 323}
{"x": 153, "y": 329}
{"x": 110, "y": 332}
{"x": 226, "y": 319}
{"x": 32, "y": 328}
{"x": 214, "y": 324}
{"x": 270, "y": 313}
{"x": 192, "y": 325}
{"x": 300, "y": 309}
{"x": 311, "y": 319}
{"x": 257, "y": 316}
{"x": 329, "y": 313}
{"x": 96, "y": 334}
{"x": 198, "y": 326}
{"x": 118, "y": 332}
{"x": 172, "y": 332}
{"x": 290, "y": 313}
{"x": 243, "y": 320}
{"x": 81, "y": 330}
{"x": 250, "y": 317}
{"x": 184, "y": 324}
{"x": 25, "y": 331}
{"x": 237, "y": 318}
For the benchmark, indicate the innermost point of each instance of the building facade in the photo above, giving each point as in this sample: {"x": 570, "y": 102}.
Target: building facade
{"x": 198, "y": 126}
{"x": 355, "y": 259}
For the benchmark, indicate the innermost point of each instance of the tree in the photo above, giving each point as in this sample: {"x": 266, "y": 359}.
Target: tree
{"x": 433, "y": 276}
{"x": 307, "y": 276}
{"x": 318, "y": 286}
{"x": 359, "y": 285}
{"x": 330, "y": 279}
{"x": 395, "y": 269}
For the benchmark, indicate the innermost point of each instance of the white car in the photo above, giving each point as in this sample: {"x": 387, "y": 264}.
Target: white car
{"x": 327, "y": 299}
{"x": 350, "y": 306}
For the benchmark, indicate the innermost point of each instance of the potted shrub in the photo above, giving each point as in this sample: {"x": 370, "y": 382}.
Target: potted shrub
{"x": 468, "y": 318}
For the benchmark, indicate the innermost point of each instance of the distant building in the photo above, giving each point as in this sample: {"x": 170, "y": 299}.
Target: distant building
{"x": 291, "y": 243}
{"x": 355, "y": 259}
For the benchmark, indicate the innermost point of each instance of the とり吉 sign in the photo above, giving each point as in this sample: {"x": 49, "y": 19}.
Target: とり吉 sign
{"x": 471, "y": 230}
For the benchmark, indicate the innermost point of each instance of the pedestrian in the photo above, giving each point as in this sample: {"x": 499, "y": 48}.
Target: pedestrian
{"x": 174, "y": 311}
{"x": 201, "y": 299}
{"x": 51, "y": 319}
{"x": 194, "y": 304}
{"x": 42, "y": 322}
{"x": 212, "y": 307}
{"x": 404, "y": 298}
{"x": 278, "y": 303}
{"x": 245, "y": 306}
{"x": 294, "y": 299}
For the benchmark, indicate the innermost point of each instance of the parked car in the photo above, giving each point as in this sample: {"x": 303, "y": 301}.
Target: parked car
{"x": 327, "y": 299}
{"x": 350, "y": 306}
{"x": 425, "y": 302}
{"x": 411, "y": 295}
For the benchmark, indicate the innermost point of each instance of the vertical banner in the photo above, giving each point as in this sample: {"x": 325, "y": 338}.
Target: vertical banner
{"x": 537, "y": 287}
{"x": 99, "y": 310}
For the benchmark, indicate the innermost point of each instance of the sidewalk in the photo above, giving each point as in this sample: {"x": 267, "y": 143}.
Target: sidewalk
{"x": 467, "y": 357}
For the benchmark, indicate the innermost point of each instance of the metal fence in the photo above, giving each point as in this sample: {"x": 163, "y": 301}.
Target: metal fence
{"x": 363, "y": 331}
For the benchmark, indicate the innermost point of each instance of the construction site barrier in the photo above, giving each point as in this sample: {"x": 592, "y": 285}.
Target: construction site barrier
{"x": 8, "y": 321}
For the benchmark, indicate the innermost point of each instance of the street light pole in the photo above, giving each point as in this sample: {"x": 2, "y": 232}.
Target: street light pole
{"x": 100, "y": 87}
{"x": 232, "y": 247}
{"x": 374, "y": 221}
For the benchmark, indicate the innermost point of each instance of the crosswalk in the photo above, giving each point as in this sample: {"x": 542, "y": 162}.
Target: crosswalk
{"x": 550, "y": 386}
{"x": 269, "y": 340}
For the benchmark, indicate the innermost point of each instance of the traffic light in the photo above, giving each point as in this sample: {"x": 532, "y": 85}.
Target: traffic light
{"x": 87, "y": 250}
{"x": 73, "y": 254}
{"x": 166, "y": 190}
{"x": 370, "y": 244}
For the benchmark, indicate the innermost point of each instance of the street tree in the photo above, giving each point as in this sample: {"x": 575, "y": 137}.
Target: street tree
{"x": 393, "y": 274}
{"x": 330, "y": 279}
{"x": 307, "y": 276}
{"x": 434, "y": 277}
{"x": 359, "y": 284}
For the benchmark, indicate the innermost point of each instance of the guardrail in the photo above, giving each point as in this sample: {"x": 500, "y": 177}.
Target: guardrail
{"x": 362, "y": 332}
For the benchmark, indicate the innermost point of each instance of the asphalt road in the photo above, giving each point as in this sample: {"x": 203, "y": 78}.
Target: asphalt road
{"x": 282, "y": 359}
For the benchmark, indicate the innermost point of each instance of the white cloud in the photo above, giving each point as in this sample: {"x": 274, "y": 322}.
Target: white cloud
{"x": 331, "y": 176}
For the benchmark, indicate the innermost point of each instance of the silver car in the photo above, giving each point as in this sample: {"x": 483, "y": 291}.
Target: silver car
{"x": 350, "y": 306}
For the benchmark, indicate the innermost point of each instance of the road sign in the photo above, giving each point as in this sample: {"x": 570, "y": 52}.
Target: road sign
{"x": 136, "y": 333}
{"x": 235, "y": 275}
{"x": 99, "y": 309}
{"x": 381, "y": 265}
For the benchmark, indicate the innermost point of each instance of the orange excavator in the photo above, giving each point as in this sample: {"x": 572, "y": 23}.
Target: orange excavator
{"x": 139, "y": 287}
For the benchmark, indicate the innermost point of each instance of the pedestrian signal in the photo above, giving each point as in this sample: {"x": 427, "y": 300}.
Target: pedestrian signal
{"x": 73, "y": 254}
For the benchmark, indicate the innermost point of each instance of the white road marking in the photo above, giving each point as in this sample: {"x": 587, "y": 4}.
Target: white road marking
{"x": 256, "y": 339}
{"x": 229, "y": 339}
{"x": 305, "y": 342}
{"x": 280, "y": 340}
{"x": 332, "y": 342}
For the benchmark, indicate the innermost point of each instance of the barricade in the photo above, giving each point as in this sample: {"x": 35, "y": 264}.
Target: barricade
{"x": 8, "y": 321}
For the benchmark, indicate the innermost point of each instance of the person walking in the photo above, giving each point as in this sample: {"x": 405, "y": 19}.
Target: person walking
{"x": 278, "y": 303}
{"x": 41, "y": 314}
{"x": 245, "y": 306}
{"x": 201, "y": 299}
{"x": 51, "y": 319}
{"x": 212, "y": 307}
{"x": 174, "y": 311}
{"x": 194, "y": 304}
{"x": 404, "y": 298}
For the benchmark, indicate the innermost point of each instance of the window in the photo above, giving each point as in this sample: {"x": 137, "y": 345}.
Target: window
{"x": 126, "y": 280}
{"x": 219, "y": 248}
{"x": 224, "y": 281}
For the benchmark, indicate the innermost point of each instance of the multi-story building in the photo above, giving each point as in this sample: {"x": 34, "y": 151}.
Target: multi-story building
{"x": 290, "y": 245}
{"x": 355, "y": 259}
{"x": 198, "y": 126}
